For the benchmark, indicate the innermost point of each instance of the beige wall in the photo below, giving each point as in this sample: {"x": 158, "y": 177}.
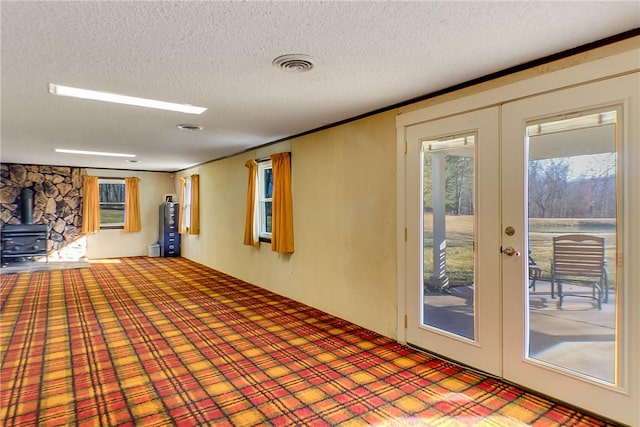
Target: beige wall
{"x": 345, "y": 219}
{"x": 344, "y": 197}
{"x": 117, "y": 243}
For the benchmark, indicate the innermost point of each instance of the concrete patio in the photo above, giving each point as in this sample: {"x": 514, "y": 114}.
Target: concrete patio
{"x": 578, "y": 336}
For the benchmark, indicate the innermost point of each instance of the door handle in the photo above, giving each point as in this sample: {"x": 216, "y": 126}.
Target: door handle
{"x": 510, "y": 251}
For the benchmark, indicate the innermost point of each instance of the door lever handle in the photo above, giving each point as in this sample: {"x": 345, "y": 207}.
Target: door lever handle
{"x": 510, "y": 251}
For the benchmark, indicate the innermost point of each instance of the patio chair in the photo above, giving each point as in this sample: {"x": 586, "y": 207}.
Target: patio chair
{"x": 578, "y": 259}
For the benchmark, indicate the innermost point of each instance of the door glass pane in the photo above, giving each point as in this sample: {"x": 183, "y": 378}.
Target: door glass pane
{"x": 267, "y": 179}
{"x": 267, "y": 217}
{"x": 448, "y": 234}
{"x": 572, "y": 206}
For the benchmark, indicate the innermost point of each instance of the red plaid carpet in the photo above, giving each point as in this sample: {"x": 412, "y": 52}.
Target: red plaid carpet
{"x": 158, "y": 341}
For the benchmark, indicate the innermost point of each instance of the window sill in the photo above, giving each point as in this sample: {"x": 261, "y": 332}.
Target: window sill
{"x": 265, "y": 239}
{"x": 112, "y": 227}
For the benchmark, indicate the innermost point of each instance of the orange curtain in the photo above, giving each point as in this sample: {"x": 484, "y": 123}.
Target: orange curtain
{"x": 181, "y": 227}
{"x": 282, "y": 227}
{"x": 195, "y": 205}
{"x": 90, "y": 205}
{"x": 132, "y": 222}
{"x": 250, "y": 231}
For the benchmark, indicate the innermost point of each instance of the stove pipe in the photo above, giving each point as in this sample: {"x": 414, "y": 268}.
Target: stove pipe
{"x": 26, "y": 205}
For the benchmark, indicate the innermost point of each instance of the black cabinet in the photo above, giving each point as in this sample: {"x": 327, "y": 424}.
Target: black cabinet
{"x": 169, "y": 237}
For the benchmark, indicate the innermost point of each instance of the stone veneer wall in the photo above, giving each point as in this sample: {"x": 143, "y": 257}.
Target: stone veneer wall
{"x": 57, "y": 200}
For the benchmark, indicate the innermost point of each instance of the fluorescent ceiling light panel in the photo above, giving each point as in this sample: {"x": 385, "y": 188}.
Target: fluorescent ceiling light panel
{"x": 93, "y": 153}
{"x": 123, "y": 99}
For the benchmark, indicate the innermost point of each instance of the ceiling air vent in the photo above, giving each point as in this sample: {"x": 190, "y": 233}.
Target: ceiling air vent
{"x": 294, "y": 63}
{"x": 189, "y": 127}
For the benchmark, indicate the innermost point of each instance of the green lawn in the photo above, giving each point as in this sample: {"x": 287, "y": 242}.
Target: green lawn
{"x": 459, "y": 249}
{"x": 111, "y": 215}
{"x": 541, "y": 233}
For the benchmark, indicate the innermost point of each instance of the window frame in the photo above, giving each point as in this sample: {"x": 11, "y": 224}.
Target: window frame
{"x": 112, "y": 225}
{"x": 185, "y": 206}
{"x": 263, "y": 235}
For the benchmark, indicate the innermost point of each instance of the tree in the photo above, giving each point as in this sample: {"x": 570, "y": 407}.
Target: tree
{"x": 592, "y": 195}
{"x": 459, "y": 185}
{"x": 427, "y": 183}
{"x": 548, "y": 183}
{"x": 602, "y": 181}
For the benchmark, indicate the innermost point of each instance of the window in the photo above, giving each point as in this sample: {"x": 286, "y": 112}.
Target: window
{"x": 265, "y": 194}
{"x": 269, "y": 197}
{"x": 112, "y": 202}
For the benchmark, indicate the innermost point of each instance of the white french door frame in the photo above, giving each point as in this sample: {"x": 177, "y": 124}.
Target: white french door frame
{"x": 611, "y": 400}
{"x": 616, "y": 65}
{"x": 483, "y": 349}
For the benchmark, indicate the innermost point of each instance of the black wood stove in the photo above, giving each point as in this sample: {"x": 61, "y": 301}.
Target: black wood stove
{"x": 24, "y": 242}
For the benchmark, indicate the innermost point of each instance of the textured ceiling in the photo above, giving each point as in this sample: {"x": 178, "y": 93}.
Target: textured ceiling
{"x": 368, "y": 55}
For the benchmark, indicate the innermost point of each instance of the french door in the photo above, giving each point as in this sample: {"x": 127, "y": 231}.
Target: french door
{"x": 487, "y": 194}
{"x": 570, "y": 167}
{"x": 455, "y": 226}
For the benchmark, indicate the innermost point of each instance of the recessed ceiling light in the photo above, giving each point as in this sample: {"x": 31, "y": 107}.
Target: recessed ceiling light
{"x": 123, "y": 99}
{"x": 295, "y": 63}
{"x": 189, "y": 127}
{"x": 93, "y": 153}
